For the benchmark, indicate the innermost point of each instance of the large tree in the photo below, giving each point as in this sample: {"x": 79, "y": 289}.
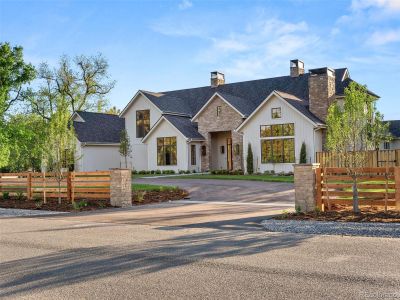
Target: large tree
{"x": 354, "y": 127}
{"x": 83, "y": 82}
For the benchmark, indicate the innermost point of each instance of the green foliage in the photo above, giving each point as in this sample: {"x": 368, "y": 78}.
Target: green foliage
{"x": 297, "y": 209}
{"x": 303, "y": 153}
{"x": 125, "y": 148}
{"x": 38, "y": 202}
{"x": 6, "y": 195}
{"x": 79, "y": 205}
{"x": 20, "y": 195}
{"x": 249, "y": 160}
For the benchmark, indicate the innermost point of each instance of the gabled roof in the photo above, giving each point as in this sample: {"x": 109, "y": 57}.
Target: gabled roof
{"x": 244, "y": 96}
{"x": 183, "y": 124}
{"x": 98, "y": 128}
{"x": 394, "y": 128}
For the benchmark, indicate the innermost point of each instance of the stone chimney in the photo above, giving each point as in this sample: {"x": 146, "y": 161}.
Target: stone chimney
{"x": 321, "y": 91}
{"x": 217, "y": 78}
{"x": 296, "y": 68}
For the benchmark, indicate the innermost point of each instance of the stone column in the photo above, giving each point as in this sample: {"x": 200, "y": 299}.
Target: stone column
{"x": 304, "y": 185}
{"x": 121, "y": 188}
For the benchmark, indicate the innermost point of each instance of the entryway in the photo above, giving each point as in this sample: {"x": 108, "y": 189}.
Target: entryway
{"x": 221, "y": 150}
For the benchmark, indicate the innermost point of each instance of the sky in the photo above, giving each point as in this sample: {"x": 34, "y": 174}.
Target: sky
{"x": 167, "y": 45}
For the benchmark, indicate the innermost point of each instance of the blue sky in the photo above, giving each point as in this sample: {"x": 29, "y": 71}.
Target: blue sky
{"x": 165, "y": 45}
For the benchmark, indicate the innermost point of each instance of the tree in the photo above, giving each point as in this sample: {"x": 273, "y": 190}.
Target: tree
{"x": 249, "y": 160}
{"x": 60, "y": 144}
{"x": 125, "y": 148}
{"x": 352, "y": 130}
{"x": 82, "y": 82}
{"x": 113, "y": 111}
{"x": 303, "y": 153}
{"x": 14, "y": 74}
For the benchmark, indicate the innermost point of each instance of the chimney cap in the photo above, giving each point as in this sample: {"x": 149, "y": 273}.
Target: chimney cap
{"x": 322, "y": 71}
{"x": 217, "y": 74}
{"x": 296, "y": 63}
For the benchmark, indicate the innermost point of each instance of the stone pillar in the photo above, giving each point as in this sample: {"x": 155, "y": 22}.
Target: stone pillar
{"x": 304, "y": 185}
{"x": 121, "y": 187}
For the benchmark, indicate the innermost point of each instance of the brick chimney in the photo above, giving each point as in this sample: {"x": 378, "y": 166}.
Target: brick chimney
{"x": 321, "y": 91}
{"x": 296, "y": 68}
{"x": 217, "y": 78}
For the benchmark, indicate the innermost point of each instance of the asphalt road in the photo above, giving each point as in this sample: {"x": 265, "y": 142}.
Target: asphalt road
{"x": 187, "y": 251}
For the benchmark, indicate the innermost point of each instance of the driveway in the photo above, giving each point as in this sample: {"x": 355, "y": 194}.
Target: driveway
{"x": 239, "y": 191}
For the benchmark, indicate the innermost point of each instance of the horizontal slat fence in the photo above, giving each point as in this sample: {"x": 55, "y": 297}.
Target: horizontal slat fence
{"x": 376, "y": 187}
{"x": 74, "y": 185}
{"x": 376, "y": 158}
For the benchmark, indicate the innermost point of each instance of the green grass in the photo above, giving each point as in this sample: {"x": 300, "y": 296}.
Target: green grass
{"x": 152, "y": 187}
{"x": 270, "y": 178}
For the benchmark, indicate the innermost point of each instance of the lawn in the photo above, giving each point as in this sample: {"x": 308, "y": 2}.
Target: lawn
{"x": 152, "y": 187}
{"x": 263, "y": 177}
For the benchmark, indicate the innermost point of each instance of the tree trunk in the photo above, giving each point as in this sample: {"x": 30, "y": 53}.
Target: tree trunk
{"x": 126, "y": 162}
{"x": 356, "y": 209}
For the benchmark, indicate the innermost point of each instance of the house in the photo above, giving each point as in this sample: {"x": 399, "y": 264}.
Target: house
{"x": 394, "y": 130}
{"x": 98, "y": 136}
{"x": 210, "y": 127}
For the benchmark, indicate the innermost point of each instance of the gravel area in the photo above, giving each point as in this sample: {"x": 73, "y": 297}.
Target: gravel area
{"x": 334, "y": 228}
{"x": 12, "y": 212}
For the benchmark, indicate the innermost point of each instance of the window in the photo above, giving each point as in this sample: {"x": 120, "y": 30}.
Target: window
{"x": 276, "y": 113}
{"x": 219, "y": 108}
{"x": 193, "y": 154}
{"x": 277, "y": 130}
{"x": 166, "y": 151}
{"x": 142, "y": 123}
{"x": 203, "y": 150}
{"x": 277, "y": 151}
{"x": 222, "y": 149}
{"x": 386, "y": 145}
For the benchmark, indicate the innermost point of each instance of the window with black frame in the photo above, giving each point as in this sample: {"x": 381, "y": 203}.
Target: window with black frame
{"x": 142, "y": 123}
{"x": 166, "y": 151}
{"x": 276, "y": 146}
{"x": 193, "y": 154}
{"x": 276, "y": 113}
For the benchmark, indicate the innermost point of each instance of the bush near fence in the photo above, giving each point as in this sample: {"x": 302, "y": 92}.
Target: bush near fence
{"x": 75, "y": 185}
{"x": 376, "y": 187}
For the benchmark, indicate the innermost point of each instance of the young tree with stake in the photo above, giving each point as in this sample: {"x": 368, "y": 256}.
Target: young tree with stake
{"x": 125, "y": 148}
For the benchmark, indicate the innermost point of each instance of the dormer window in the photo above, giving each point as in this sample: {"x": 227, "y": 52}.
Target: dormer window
{"x": 219, "y": 108}
{"x": 276, "y": 113}
{"x": 142, "y": 123}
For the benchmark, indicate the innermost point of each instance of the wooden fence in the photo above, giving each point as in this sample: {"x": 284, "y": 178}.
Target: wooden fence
{"x": 74, "y": 185}
{"x": 376, "y": 187}
{"x": 376, "y": 158}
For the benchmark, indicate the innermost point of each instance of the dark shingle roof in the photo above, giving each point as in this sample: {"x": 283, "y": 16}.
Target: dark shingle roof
{"x": 245, "y": 96}
{"x": 185, "y": 126}
{"x": 98, "y": 127}
{"x": 394, "y": 128}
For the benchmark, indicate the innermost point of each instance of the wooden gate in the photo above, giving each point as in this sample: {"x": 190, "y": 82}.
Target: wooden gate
{"x": 378, "y": 186}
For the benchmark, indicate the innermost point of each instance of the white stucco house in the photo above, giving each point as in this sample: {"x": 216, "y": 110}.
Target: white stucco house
{"x": 210, "y": 127}
{"x": 394, "y": 130}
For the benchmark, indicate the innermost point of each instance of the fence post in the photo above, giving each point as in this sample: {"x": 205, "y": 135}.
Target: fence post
{"x": 304, "y": 186}
{"x": 121, "y": 187}
{"x": 69, "y": 186}
{"x": 29, "y": 186}
{"x": 318, "y": 182}
{"x": 397, "y": 186}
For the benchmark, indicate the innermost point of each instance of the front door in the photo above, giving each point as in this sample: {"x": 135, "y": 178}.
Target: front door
{"x": 229, "y": 153}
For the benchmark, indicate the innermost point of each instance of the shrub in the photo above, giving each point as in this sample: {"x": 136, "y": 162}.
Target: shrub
{"x": 152, "y": 172}
{"x": 187, "y": 172}
{"x": 181, "y": 171}
{"x": 38, "y": 202}
{"x": 194, "y": 172}
{"x": 134, "y": 172}
{"x": 140, "y": 196}
{"x": 303, "y": 153}
{"x": 79, "y": 205}
{"x": 20, "y": 195}
{"x": 249, "y": 160}
{"x": 297, "y": 209}
{"x": 142, "y": 172}
{"x": 6, "y": 195}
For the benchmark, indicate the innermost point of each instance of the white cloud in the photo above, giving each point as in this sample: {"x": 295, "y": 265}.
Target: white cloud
{"x": 383, "y": 4}
{"x": 379, "y": 38}
{"x": 185, "y": 4}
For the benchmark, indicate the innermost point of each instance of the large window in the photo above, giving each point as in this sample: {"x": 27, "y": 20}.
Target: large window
{"x": 276, "y": 147}
{"x": 166, "y": 151}
{"x": 142, "y": 123}
{"x": 277, "y": 151}
{"x": 193, "y": 154}
{"x": 277, "y": 130}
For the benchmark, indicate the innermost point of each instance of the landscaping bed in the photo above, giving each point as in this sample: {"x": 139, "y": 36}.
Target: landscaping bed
{"x": 147, "y": 194}
{"x": 342, "y": 213}
{"x": 53, "y": 205}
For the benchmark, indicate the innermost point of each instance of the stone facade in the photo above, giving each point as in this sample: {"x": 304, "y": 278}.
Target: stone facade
{"x": 228, "y": 120}
{"x": 304, "y": 184}
{"x": 121, "y": 188}
{"x": 322, "y": 90}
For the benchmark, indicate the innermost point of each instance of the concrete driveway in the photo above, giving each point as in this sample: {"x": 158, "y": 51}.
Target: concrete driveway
{"x": 239, "y": 191}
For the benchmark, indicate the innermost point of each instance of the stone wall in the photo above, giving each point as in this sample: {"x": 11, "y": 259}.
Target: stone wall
{"x": 121, "y": 188}
{"x": 322, "y": 90}
{"x": 304, "y": 184}
{"x": 228, "y": 120}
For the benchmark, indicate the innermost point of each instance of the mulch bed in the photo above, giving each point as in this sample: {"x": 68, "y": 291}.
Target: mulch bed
{"x": 92, "y": 204}
{"x": 158, "y": 196}
{"x": 342, "y": 213}
{"x": 52, "y": 204}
